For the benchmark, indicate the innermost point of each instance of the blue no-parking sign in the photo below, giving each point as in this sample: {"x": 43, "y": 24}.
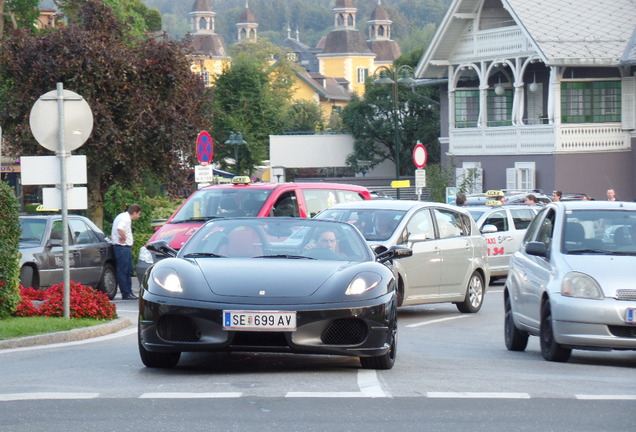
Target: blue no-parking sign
{"x": 205, "y": 148}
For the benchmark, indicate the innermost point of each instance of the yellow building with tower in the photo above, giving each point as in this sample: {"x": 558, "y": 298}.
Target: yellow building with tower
{"x": 210, "y": 54}
{"x": 328, "y": 73}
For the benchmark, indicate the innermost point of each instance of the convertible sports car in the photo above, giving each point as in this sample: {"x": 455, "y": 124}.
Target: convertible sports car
{"x": 271, "y": 284}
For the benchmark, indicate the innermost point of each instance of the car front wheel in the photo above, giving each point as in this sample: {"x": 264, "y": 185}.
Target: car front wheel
{"x": 26, "y": 277}
{"x": 474, "y": 295}
{"x": 108, "y": 282}
{"x": 157, "y": 359}
{"x": 550, "y": 349}
{"x": 515, "y": 340}
{"x": 385, "y": 361}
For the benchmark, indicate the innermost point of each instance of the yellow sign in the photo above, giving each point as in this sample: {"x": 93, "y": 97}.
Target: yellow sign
{"x": 401, "y": 183}
{"x": 494, "y": 193}
{"x": 241, "y": 180}
{"x": 42, "y": 209}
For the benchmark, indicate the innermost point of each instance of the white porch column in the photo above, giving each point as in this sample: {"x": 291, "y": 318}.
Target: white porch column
{"x": 518, "y": 103}
{"x": 451, "y": 98}
{"x": 482, "y": 120}
{"x": 554, "y": 96}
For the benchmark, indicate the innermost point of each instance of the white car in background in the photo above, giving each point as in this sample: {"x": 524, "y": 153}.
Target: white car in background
{"x": 503, "y": 227}
{"x": 449, "y": 261}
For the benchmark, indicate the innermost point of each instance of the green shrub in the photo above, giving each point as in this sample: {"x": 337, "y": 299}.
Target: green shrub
{"x": 437, "y": 180}
{"x": 9, "y": 251}
{"x": 118, "y": 199}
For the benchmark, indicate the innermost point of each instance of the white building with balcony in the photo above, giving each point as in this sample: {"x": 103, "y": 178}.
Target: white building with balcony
{"x": 540, "y": 94}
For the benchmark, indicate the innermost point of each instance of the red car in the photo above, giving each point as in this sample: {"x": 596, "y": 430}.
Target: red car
{"x": 242, "y": 198}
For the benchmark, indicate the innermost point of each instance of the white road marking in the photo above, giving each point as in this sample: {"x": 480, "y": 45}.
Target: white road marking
{"x": 605, "y": 397}
{"x": 42, "y": 396}
{"x": 368, "y": 382}
{"x": 116, "y": 335}
{"x": 371, "y": 391}
{"x": 477, "y": 395}
{"x": 183, "y": 395}
{"x": 370, "y": 385}
{"x": 423, "y": 323}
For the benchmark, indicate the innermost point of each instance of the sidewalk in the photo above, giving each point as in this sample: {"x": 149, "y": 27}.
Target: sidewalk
{"x": 113, "y": 326}
{"x": 68, "y": 336}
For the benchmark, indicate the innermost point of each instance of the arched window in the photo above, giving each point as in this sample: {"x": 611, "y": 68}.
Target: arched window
{"x": 381, "y": 31}
{"x": 340, "y": 20}
{"x": 350, "y": 20}
{"x": 203, "y": 25}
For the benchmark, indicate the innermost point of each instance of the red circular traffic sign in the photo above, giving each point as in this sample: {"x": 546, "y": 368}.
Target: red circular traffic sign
{"x": 419, "y": 155}
{"x": 205, "y": 147}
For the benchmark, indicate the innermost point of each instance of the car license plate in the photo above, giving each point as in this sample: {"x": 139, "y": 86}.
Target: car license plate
{"x": 630, "y": 316}
{"x": 259, "y": 320}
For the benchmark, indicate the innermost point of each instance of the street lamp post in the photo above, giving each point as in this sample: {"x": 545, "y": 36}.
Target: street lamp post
{"x": 236, "y": 139}
{"x": 390, "y": 76}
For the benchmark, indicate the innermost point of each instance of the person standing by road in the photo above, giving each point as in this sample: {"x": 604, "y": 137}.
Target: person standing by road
{"x": 556, "y": 195}
{"x": 611, "y": 195}
{"x": 122, "y": 239}
{"x": 460, "y": 200}
{"x": 530, "y": 199}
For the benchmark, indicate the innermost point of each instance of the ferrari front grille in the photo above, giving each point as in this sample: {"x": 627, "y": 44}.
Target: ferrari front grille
{"x": 178, "y": 329}
{"x": 346, "y": 331}
{"x": 259, "y": 339}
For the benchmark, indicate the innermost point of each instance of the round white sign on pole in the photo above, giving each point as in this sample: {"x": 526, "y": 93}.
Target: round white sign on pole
{"x": 419, "y": 155}
{"x": 78, "y": 120}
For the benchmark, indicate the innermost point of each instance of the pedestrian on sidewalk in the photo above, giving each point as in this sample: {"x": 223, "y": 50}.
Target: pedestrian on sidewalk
{"x": 122, "y": 239}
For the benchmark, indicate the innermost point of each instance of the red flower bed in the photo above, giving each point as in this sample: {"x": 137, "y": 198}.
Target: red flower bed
{"x": 85, "y": 302}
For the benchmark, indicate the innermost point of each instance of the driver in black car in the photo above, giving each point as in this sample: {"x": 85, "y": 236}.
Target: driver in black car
{"x": 326, "y": 240}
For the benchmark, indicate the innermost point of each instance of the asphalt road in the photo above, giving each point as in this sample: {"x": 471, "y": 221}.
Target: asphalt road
{"x": 453, "y": 372}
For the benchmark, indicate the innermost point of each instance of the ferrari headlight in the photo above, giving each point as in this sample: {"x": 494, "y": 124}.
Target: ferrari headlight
{"x": 580, "y": 285}
{"x": 145, "y": 255}
{"x": 168, "y": 280}
{"x": 363, "y": 282}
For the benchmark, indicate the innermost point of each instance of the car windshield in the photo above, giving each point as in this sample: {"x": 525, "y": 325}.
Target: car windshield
{"x": 277, "y": 238}
{"x": 608, "y": 232}
{"x": 476, "y": 213}
{"x": 222, "y": 202}
{"x": 374, "y": 224}
{"x": 32, "y": 230}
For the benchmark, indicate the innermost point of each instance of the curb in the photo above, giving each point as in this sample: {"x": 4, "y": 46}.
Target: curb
{"x": 69, "y": 335}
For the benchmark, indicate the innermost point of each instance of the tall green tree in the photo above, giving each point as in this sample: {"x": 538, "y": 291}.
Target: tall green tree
{"x": 370, "y": 120}
{"x": 304, "y": 116}
{"x": 134, "y": 14}
{"x": 20, "y": 13}
{"x": 147, "y": 105}
{"x": 251, "y": 96}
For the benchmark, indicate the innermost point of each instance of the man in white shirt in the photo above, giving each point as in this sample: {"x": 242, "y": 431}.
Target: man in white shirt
{"x": 122, "y": 239}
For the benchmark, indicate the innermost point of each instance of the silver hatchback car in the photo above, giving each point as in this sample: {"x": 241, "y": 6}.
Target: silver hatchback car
{"x": 449, "y": 261}
{"x": 572, "y": 281}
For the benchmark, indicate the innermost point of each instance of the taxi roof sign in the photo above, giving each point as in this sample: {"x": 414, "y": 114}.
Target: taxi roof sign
{"x": 494, "y": 193}
{"x": 241, "y": 180}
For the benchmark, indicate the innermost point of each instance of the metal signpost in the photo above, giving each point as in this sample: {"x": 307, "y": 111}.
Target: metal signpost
{"x": 420, "y": 156}
{"x": 204, "y": 173}
{"x": 62, "y": 121}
